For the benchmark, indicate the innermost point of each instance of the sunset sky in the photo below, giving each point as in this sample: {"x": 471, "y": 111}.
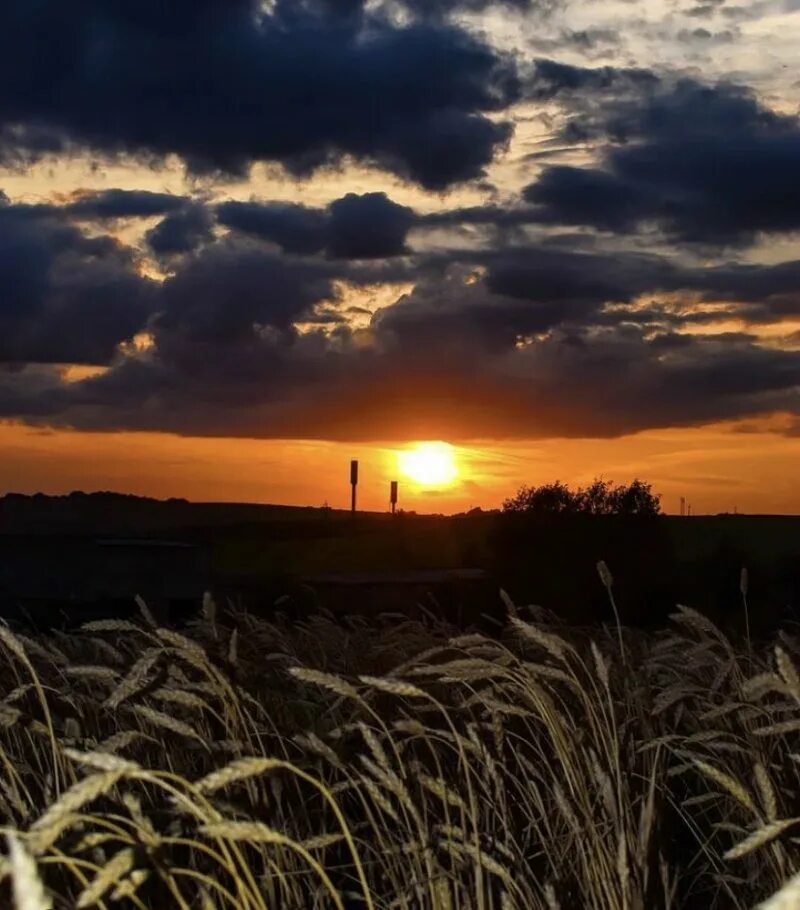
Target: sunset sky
{"x": 243, "y": 242}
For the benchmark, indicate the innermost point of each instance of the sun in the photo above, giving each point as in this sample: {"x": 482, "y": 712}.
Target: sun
{"x": 430, "y": 464}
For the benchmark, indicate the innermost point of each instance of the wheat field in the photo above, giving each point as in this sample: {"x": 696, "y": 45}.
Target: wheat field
{"x": 393, "y": 764}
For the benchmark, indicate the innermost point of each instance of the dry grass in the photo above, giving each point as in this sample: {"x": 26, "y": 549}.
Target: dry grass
{"x": 396, "y": 765}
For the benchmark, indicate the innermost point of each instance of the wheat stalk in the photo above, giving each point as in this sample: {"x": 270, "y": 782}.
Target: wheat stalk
{"x": 329, "y": 681}
{"x": 242, "y": 769}
{"x": 28, "y": 889}
{"x": 764, "y": 835}
{"x": 787, "y": 898}
{"x": 47, "y": 828}
{"x": 117, "y": 867}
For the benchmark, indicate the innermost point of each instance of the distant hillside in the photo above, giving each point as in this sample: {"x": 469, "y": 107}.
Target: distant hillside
{"x": 119, "y": 513}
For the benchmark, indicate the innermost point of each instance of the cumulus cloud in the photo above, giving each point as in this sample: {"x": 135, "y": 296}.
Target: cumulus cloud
{"x": 369, "y": 226}
{"x": 570, "y": 381}
{"x": 535, "y": 341}
{"x": 226, "y": 292}
{"x": 109, "y": 204}
{"x": 704, "y": 163}
{"x": 66, "y": 297}
{"x": 295, "y": 86}
{"x": 181, "y": 231}
{"x": 526, "y": 330}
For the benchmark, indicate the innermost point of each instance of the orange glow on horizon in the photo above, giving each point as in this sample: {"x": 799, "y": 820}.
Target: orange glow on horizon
{"x": 748, "y": 466}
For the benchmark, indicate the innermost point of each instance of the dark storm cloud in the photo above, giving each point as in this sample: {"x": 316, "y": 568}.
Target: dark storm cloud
{"x": 106, "y": 205}
{"x": 223, "y": 292}
{"x": 181, "y": 231}
{"x": 495, "y": 299}
{"x": 122, "y": 204}
{"x": 617, "y": 379}
{"x": 756, "y": 293}
{"x": 445, "y": 313}
{"x": 567, "y": 334}
{"x": 370, "y": 226}
{"x": 578, "y": 85}
{"x": 526, "y": 342}
{"x": 576, "y": 382}
{"x": 440, "y": 9}
{"x": 557, "y": 277}
{"x": 420, "y": 9}
{"x": 66, "y": 297}
{"x": 222, "y": 84}
{"x": 572, "y": 195}
{"x": 293, "y": 227}
{"x": 480, "y": 326}
{"x": 703, "y": 163}
{"x": 493, "y": 215}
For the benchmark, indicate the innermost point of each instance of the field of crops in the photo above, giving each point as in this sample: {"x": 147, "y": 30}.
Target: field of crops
{"x": 388, "y": 764}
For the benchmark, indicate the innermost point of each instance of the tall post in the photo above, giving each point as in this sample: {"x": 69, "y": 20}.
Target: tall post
{"x": 393, "y": 495}
{"x": 353, "y": 485}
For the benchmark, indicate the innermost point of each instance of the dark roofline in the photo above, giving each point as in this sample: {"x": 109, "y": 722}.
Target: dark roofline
{"x": 403, "y": 577}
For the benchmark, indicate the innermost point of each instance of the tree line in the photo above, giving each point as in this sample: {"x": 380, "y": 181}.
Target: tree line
{"x": 601, "y": 497}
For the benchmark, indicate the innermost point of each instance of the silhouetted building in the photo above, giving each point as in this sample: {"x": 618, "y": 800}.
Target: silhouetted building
{"x": 461, "y": 595}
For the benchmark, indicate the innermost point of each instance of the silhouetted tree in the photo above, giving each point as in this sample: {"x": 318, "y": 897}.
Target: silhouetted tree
{"x": 601, "y": 497}
{"x": 636, "y": 499}
{"x": 556, "y": 498}
{"x": 596, "y": 499}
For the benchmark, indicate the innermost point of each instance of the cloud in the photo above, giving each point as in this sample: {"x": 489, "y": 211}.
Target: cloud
{"x": 482, "y": 343}
{"x": 575, "y": 382}
{"x": 579, "y": 86}
{"x": 293, "y": 227}
{"x": 297, "y": 86}
{"x": 230, "y": 291}
{"x": 589, "y": 42}
{"x": 706, "y": 164}
{"x": 589, "y": 39}
{"x": 441, "y": 9}
{"x": 105, "y": 205}
{"x": 368, "y": 226}
{"x": 511, "y": 327}
{"x": 110, "y": 204}
{"x": 705, "y": 10}
{"x": 534, "y": 341}
{"x": 181, "y": 231}
{"x": 703, "y": 37}
{"x": 67, "y": 297}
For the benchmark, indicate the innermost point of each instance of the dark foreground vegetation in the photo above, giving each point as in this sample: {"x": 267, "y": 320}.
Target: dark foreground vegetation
{"x": 388, "y": 763}
{"x": 79, "y": 557}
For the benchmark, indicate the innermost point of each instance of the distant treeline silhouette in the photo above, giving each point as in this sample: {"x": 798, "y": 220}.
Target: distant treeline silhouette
{"x": 601, "y": 497}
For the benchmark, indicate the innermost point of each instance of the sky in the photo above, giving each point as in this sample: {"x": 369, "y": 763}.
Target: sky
{"x": 243, "y": 242}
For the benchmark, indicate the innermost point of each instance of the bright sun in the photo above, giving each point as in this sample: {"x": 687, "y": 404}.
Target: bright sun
{"x": 431, "y": 464}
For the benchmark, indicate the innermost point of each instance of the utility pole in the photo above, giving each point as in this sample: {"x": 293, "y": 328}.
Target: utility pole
{"x": 353, "y": 485}
{"x": 683, "y": 505}
{"x": 393, "y": 496}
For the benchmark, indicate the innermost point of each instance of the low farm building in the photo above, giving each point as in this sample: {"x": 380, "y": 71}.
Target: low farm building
{"x": 462, "y": 595}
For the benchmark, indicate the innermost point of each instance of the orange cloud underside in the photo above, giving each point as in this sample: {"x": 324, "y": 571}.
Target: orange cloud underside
{"x": 717, "y": 468}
